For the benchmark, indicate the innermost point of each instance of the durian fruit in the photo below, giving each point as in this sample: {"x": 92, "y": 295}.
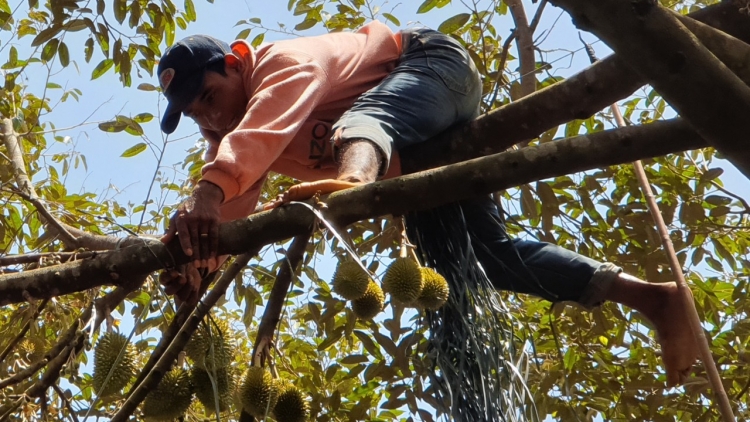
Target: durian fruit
{"x": 350, "y": 280}
{"x": 403, "y": 280}
{"x": 435, "y": 290}
{"x": 170, "y": 399}
{"x": 32, "y": 349}
{"x": 204, "y": 389}
{"x": 291, "y": 405}
{"x": 106, "y": 353}
{"x": 258, "y": 392}
{"x": 370, "y": 304}
{"x": 210, "y": 346}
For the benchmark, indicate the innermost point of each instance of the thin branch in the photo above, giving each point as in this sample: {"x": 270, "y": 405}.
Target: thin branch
{"x": 25, "y": 186}
{"x": 166, "y": 361}
{"x": 275, "y": 303}
{"x": 53, "y": 353}
{"x": 66, "y": 402}
{"x": 537, "y": 16}
{"x": 24, "y": 329}
{"x": 6, "y": 261}
{"x": 525, "y": 46}
{"x": 182, "y": 314}
{"x": 104, "y": 305}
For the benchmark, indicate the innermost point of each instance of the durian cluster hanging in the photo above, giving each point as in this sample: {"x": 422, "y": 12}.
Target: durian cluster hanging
{"x": 406, "y": 282}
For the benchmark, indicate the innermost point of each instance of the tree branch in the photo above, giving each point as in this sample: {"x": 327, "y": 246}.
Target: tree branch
{"x": 182, "y": 314}
{"x": 525, "y": 47}
{"x": 169, "y": 356}
{"x": 53, "y": 353}
{"x": 26, "y": 189}
{"x": 418, "y": 191}
{"x": 695, "y": 82}
{"x": 275, "y": 303}
{"x": 578, "y": 97}
{"x": 24, "y": 329}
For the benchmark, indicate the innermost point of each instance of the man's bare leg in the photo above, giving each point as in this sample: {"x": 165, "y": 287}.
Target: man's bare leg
{"x": 666, "y": 308}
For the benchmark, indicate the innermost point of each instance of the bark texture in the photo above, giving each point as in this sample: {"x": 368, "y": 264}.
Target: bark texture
{"x": 715, "y": 101}
{"x": 578, "y": 97}
{"x": 417, "y": 191}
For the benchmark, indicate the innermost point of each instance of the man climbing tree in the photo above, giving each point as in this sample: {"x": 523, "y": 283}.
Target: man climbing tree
{"x": 334, "y": 111}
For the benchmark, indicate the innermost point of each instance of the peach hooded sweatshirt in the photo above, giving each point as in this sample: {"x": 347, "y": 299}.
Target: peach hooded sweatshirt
{"x": 297, "y": 88}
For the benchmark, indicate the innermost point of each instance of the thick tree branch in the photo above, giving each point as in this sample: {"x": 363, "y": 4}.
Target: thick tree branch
{"x": 578, "y": 97}
{"x": 169, "y": 356}
{"x": 695, "y": 82}
{"x": 421, "y": 190}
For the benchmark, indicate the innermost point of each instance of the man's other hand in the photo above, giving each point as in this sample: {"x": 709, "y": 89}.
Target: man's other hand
{"x": 196, "y": 223}
{"x": 184, "y": 282}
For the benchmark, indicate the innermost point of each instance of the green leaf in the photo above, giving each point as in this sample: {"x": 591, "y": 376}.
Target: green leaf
{"x": 143, "y": 118}
{"x": 121, "y": 10}
{"x": 147, "y": 87}
{"x": 190, "y": 10}
{"x": 257, "y": 40}
{"x": 392, "y": 19}
{"x": 102, "y": 68}
{"x": 113, "y": 126}
{"x": 46, "y": 35}
{"x": 4, "y": 7}
{"x": 62, "y": 52}
{"x": 426, "y": 6}
{"x": 88, "y": 49}
{"x": 50, "y": 49}
{"x": 454, "y": 23}
{"x": 134, "y": 150}
{"x": 243, "y": 34}
{"x": 306, "y": 24}
{"x": 711, "y": 174}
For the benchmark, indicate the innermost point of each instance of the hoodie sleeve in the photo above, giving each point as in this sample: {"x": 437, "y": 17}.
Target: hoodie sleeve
{"x": 286, "y": 87}
{"x": 242, "y": 205}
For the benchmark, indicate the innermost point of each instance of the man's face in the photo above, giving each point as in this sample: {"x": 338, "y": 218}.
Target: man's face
{"x": 221, "y": 103}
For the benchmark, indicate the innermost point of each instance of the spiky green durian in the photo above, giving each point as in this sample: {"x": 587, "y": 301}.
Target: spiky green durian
{"x": 350, "y": 280}
{"x": 204, "y": 390}
{"x": 291, "y": 405}
{"x": 435, "y": 290}
{"x": 170, "y": 399}
{"x": 258, "y": 392}
{"x": 106, "y": 354}
{"x": 371, "y": 303}
{"x": 210, "y": 346}
{"x": 32, "y": 349}
{"x": 403, "y": 280}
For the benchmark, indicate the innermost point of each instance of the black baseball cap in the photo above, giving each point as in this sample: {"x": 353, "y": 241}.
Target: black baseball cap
{"x": 181, "y": 72}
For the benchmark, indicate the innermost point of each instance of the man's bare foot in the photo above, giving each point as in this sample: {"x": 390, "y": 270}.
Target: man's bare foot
{"x": 667, "y": 308}
{"x": 678, "y": 345}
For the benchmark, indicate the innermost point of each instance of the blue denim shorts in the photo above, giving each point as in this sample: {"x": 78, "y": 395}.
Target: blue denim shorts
{"x": 434, "y": 85}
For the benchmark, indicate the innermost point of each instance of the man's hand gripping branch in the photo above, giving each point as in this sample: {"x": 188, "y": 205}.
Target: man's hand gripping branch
{"x": 196, "y": 224}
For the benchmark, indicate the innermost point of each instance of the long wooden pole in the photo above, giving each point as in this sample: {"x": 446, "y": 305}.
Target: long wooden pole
{"x": 682, "y": 287}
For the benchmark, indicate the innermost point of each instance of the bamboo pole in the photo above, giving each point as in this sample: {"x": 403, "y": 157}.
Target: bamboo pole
{"x": 682, "y": 287}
